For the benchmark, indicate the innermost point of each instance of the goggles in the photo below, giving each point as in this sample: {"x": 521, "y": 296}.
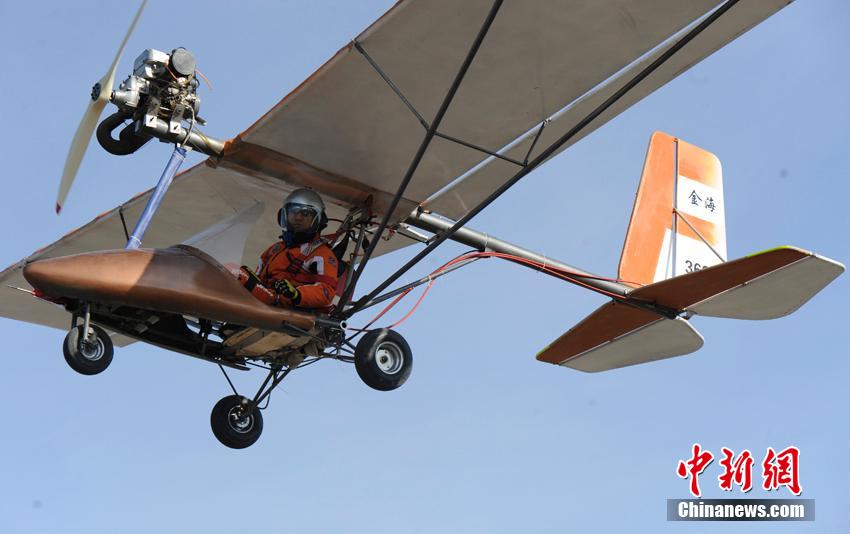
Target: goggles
{"x": 304, "y": 210}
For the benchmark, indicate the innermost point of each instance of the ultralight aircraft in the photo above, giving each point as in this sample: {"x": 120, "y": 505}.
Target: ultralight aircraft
{"x": 408, "y": 132}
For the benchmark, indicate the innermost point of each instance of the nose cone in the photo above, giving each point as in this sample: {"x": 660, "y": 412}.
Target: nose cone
{"x": 89, "y": 276}
{"x": 180, "y": 280}
{"x": 57, "y": 276}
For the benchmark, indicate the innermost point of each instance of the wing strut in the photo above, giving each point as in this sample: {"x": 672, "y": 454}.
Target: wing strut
{"x": 177, "y": 157}
{"x": 421, "y": 152}
{"x": 543, "y": 155}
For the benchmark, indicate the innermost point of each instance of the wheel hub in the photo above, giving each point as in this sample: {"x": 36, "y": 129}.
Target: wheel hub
{"x": 91, "y": 350}
{"x": 389, "y": 357}
{"x": 238, "y": 422}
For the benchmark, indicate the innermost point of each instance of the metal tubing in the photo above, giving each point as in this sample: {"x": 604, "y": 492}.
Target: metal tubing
{"x": 407, "y": 231}
{"x": 202, "y": 143}
{"x": 428, "y": 137}
{"x": 328, "y": 323}
{"x": 478, "y": 148}
{"x": 228, "y": 379}
{"x": 269, "y": 375}
{"x": 260, "y": 398}
{"x": 548, "y": 152}
{"x": 534, "y": 143}
{"x": 419, "y": 117}
{"x": 171, "y": 168}
{"x": 123, "y": 222}
{"x": 482, "y": 241}
{"x": 86, "y": 323}
{"x": 697, "y": 232}
{"x": 349, "y": 287}
{"x": 386, "y": 296}
{"x": 392, "y": 84}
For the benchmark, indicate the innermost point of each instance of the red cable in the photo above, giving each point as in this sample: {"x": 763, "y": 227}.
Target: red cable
{"x": 563, "y": 274}
{"x": 415, "y": 306}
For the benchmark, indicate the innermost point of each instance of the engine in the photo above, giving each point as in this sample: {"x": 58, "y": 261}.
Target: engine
{"x": 158, "y": 98}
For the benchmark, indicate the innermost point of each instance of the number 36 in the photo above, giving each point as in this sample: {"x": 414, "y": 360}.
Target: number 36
{"x": 692, "y": 266}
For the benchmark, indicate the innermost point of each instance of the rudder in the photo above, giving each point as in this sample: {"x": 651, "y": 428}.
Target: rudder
{"x": 678, "y": 221}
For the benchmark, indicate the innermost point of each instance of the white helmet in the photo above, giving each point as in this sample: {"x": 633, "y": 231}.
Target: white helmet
{"x": 303, "y": 200}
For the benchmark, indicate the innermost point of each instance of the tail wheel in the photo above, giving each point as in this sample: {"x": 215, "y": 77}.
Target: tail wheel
{"x": 88, "y": 355}
{"x": 232, "y": 426}
{"x": 383, "y": 359}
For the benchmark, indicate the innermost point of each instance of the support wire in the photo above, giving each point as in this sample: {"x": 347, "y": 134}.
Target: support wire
{"x": 427, "y": 140}
{"x": 391, "y": 83}
{"x": 691, "y": 226}
{"x": 649, "y": 69}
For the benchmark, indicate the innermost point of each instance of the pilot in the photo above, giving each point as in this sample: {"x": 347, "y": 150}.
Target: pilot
{"x": 300, "y": 270}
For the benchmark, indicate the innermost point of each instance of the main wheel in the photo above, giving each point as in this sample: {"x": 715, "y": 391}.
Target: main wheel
{"x": 88, "y": 356}
{"x": 383, "y": 359}
{"x": 231, "y": 426}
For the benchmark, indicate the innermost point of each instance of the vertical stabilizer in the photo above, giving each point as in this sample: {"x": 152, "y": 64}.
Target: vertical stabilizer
{"x": 678, "y": 223}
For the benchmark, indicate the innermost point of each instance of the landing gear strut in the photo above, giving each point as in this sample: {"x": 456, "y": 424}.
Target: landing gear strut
{"x": 87, "y": 348}
{"x": 382, "y": 358}
{"x": 236, "y": 421}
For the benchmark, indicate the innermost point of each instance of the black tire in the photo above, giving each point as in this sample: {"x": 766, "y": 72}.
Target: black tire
{"x": 383, "y": 359}
{"x": 229, "y": 429}
{"x": 88, "y": 358}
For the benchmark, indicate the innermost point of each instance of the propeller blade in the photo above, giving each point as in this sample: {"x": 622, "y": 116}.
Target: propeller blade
{"x": 100, "y": 96}
{"x": 78, "y": 149}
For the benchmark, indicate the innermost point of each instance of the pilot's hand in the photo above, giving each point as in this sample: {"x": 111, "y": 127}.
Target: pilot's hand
{"x": 286, "y": 289}
{"x": 248, "y": 278}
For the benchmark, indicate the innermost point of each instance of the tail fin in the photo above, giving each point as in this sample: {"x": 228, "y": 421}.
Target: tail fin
{"x": 675, "y": 251}
{"x": 678, "y": 223}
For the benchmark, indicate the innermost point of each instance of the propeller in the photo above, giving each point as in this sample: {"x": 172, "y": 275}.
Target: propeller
{"x": 100, "y": 95}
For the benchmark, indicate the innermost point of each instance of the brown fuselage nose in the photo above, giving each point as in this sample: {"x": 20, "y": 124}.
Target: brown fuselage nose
{"x": 179, "y": 279}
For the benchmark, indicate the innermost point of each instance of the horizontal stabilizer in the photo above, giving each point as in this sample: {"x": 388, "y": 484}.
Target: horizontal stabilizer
{"x": 618, "y": 335}
{"x": 765, "y": 285}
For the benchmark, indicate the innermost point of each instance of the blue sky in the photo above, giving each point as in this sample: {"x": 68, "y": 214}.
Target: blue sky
{"x": 482, "y": 438}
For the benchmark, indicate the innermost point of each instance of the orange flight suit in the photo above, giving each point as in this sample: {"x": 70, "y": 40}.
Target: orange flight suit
{"x": 311, "y": 267}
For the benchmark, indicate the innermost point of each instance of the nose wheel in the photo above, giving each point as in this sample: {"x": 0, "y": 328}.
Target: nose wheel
{"x": 234, "y": 423}
{"x": 88, "y": 353}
